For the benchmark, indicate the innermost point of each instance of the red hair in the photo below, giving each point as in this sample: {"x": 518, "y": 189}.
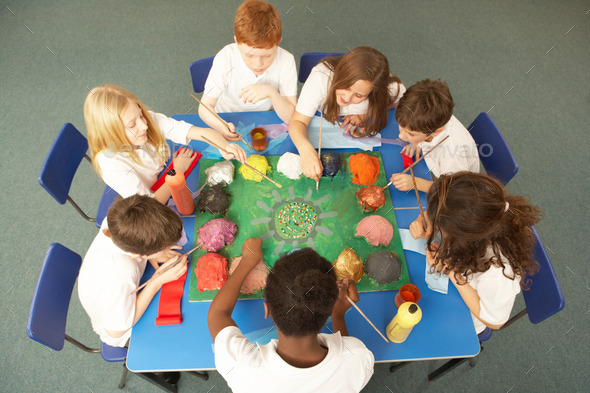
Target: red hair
{"x": 258, "y": 24}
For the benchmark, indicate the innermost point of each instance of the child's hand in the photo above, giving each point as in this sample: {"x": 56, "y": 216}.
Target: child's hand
{"x": 418, "y": 229}
{"x": 402, "y": 182}
{"x": 230, "y": 135}
{"x": 255, "y": 93}
{"x": 351, "y": 123}
{"x": 310, "y": 163}
{"x": 412, "y": 149}
{"x": 431, "y": 258}
{"x": 346, "y": 287}
{"x": 235, "y": 152}
{"x": 165, "y": 255}
{"x": 174, "y": 273}
{"x": 252, "y": 252}
{"x": 183, "y": 159}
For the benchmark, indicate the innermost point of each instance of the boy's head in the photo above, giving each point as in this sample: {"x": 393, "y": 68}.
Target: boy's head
{"x": 423, "y": 110}
{"x": 301, "y": 292}
{"x": 258, "y": 33}
{"x": 141, "y": 225}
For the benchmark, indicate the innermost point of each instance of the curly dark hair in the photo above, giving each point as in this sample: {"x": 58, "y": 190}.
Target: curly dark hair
{"x": 470, "y": 212}
{"x": 301, "y": 291}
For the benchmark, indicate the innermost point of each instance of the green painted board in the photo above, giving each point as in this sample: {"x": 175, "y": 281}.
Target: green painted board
{"x": 253, "y": 206}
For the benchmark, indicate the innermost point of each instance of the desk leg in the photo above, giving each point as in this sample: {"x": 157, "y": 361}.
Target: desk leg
{"x": 448, "y": 366}
{"x": 203, "y": 375}
{"x": 396, "y": 366}
{"x": 159, "y": 381}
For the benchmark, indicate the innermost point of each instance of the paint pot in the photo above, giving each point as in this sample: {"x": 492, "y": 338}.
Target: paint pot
{"x": 407, "y": 293}
{"x": 258, "y": 139}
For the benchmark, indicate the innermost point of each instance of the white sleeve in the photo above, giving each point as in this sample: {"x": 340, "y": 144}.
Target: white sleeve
{"x": 120, "y": 174}
{"x": 174, "y": 130}
{"x": 118, "y": 305}
{"x": 313, "y": 93}
{"x": 396, "y": 89}
{"x": 231, "y": 347}
{"x": 288, "y": 81}
{"x": 496, "y": 295}
{"x": 218, "y": 80}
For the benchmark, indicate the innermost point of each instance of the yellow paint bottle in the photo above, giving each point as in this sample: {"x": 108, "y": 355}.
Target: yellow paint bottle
{"x": 408, "y": 315}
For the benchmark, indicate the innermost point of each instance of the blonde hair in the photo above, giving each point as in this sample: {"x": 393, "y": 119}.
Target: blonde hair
{"x": 103, "y": 108}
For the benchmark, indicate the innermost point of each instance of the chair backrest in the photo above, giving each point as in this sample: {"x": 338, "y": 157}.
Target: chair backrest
{"x": 51, "y": 300}
{"x": 544, "y": 296}
{"x": 311, "y": 59}
{"x": 62, "y": 162}
{"x": 494, "y": 153}
{"x": 199, "y": 73}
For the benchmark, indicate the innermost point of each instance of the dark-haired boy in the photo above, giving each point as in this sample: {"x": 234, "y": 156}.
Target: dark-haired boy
{"x": 425, "y": 118}
{"x": 139, "y": 228}
{"x": 301, "y": 293}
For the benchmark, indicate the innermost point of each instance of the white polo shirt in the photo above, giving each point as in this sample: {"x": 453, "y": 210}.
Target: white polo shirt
{"x": 129, "y": 178}
{"x": 107, "y": 277}
{"x": 249, "y": 367}
{"x": 229, "y": 75}
{"x": 496, "y": 294}
{"x": 315, "y": 91}
{"x": 456, "y": 154}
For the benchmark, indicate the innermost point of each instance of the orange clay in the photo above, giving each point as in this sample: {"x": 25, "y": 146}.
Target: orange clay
{"x": 364, "y": 168}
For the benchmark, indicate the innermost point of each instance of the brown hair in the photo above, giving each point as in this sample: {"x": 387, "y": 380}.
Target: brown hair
{"x": 362, "y": 63}
{"x": 141, "y": 225}
{"x": 425, "y": 106}
{"x": 470, "y": 211}
{"x": 258, "y": 24}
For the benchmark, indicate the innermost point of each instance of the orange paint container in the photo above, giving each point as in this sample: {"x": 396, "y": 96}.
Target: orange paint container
{"x": 407, "y": 293}
{"x": 258, "y": 139}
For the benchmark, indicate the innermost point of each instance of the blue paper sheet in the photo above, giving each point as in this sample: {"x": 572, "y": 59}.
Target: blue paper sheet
{"x": 334, "y": 138}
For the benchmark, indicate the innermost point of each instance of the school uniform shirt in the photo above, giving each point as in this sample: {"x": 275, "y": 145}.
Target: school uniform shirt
{"x": 229, "y": 75}
{"x": 315, "y": 91}
{"x": 456, "y": 154}
{"x": 107, "y": 277}
{"x": 496, "y": 294}
{"x": 129, "y": 178}
{"x": 249, "y": 367}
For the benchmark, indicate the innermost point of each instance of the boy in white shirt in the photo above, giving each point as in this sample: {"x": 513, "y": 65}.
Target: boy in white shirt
{"x": 301, "y": 293}
{"x": 425, "y": 118}
{"x": 252, "y": 74}
{"x": 139, "y": 228}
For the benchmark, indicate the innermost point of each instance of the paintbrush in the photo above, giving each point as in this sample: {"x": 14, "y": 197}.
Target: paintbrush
{"x": 367, "y": 318}
{"x": 317, "y": 183}
{"x": 418, "y": 198}
{"x": 418, "y": 160}
{"x": 244, "y": 163}
{"x": 159, "y": 272}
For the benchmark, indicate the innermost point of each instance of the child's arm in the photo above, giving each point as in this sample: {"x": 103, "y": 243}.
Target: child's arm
{"x": 182, "y": 160}
{"x": 284, "y": 106}
{"x": 310, "y": 162}
{"x": 404, "y": 182}
{"x": 347, "y": 288}
{"x": 219, "y": 316}
{"x": 235, "y": 151}
{"x": 144, "y": 298}
{"x": 214, "y": 122}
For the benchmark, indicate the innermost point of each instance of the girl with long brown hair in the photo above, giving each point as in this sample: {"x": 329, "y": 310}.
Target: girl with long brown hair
{"x": 485, "y": 244}
{"x": 358, "y": 86}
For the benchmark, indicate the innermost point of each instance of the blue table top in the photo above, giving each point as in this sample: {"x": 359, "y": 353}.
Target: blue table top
{"x": 445, "y": 331}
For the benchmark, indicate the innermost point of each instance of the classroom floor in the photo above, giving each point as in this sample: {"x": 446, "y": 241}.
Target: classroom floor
{"x": 526, "y": 63}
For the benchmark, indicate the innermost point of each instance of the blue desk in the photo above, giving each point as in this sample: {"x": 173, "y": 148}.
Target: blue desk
{"x": 446, "y": 329}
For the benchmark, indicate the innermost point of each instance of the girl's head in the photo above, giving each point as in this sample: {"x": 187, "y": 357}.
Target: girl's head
{"x": 362, "y": 74}
{"x": 118, "y": 122}
{"x": 472, "y": 211}
{"x": 300, "y": 292}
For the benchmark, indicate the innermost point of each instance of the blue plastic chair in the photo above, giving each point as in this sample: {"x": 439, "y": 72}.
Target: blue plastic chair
{"x": 199, "y": 73}
{"x": 542, "y": 299}
{"x": 494, "y": 153}
{"x": 60, "y": 166}
{"x": 311, "y": 59}
{"x": 49, "y": 311}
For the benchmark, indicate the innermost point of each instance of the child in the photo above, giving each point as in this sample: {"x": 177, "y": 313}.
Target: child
{"x": 358, "y": 86}
{"x": 253, "y": 73}
{"x": 486, "y": 242}
{"x": 139, "y": 228}
{"x": 425, "y": 117}
{"x": 301, "y": 293}
{"x": 128, "y": 143}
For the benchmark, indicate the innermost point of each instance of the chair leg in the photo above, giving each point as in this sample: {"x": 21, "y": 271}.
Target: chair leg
{"x": 199, "y": 374}
{"x": 86, "y": 216}
{"x": 445, "y": 368}
{"x": 472, "y": 360}
{"x": 123, "y": 380}
{"x": 396, "y": 366}
{"x": 159, "y": 381}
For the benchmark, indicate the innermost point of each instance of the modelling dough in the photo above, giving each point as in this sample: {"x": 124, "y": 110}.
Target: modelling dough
{"x": 220, "y": 173}
{"x": 295, "y": 220}
{"x": 216, "y": 234}
{"x": 371, "y": 197}
{"x": 364, "y": 168}
{"x": 255, "y": 280}
{"x": 348, "y": 265}
{"x": 258, "y": 162}
{"x": 213, "y": 200}
{"x": 331, "y": 164}
{"x": 376, "y": 229}
{"x": 211, "y": 272}
{"x": 383, "y": 267}
{"x": 290, "y": 165}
